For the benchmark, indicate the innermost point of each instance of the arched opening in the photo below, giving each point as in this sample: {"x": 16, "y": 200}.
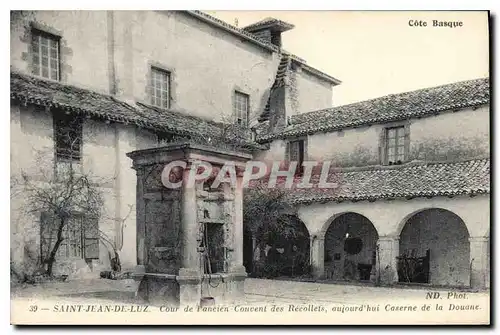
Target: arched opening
{"x": 285, "y": 249}
{"x": 434, "y": 249}
{"x": 350, "y": 248}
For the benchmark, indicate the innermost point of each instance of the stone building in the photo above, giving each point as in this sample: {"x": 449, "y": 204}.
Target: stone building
{"x": 132, "y": 80}
{"x": 413, "y": 202}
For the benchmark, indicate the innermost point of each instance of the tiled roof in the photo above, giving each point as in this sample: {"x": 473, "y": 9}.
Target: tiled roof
{"x": 31, "y": 90}
{"x": 404, "y": 181}
{"x": 267, "y": 22}
{"x": 389, "y": 108}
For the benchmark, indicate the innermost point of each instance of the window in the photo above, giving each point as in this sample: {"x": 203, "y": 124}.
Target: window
{"x": 80, "y": 237}
{"x": 395, "y": 145}
{"x": 160, "y": 88}
{"x": 296, "y": 154}
{"x": 46, "y": 56}
{"x": 241, "y": 108}
{"x": 68, "y": 137}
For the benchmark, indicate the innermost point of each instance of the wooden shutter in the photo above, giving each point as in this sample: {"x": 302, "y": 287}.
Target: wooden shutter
{"x": 91, "y": 238}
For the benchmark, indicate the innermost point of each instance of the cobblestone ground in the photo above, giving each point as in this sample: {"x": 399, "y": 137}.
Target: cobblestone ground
{"x": 257, "y": 291}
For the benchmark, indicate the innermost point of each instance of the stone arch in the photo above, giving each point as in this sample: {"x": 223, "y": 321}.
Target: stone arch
{"x": 350, "y": 244}
{"x": 401, "y": 224}
{"x": 321, "y": 233}
{"x": 434, "y": 248}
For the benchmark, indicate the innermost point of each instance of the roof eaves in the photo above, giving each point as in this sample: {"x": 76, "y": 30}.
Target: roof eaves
{"x": 382, "y": 196}
{"x": 320, "y": 74}
{"x": 308, "y": 131}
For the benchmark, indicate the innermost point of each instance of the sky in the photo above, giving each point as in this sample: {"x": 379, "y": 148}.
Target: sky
{"x": 379, "y": 53}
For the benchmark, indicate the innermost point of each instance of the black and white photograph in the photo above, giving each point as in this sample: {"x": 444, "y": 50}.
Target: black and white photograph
{"x": 189, "y": 167}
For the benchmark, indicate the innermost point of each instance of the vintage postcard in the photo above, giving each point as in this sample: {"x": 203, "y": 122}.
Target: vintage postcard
{"x": 250, "y": 167}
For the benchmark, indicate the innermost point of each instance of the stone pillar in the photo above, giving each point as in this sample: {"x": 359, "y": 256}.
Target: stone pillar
{"x": 140, "y": 224}
{"x": 387, "y": 251}
{"x": 479, "y": 262}
{"x": 237, "y": 264}
{"x": 189, "y": 277}
{"x": 190, "y": 256}
{"x": 317, "y": 245}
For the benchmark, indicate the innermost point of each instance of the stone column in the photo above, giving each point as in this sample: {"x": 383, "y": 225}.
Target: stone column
{"x": 387, "y": 251}
{"x": 317, "y": 245}
{"x": 479, "y": 261}
{"x": 238, "y": 228}
{"x": 190, "y": 257}
{"x": 189, "y": 277}
{"x": 140, "y": 224}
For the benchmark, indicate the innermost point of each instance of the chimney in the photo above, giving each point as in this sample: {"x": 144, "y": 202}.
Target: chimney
{"x": 279, "y": 105}
{"x": 269, "y": 30}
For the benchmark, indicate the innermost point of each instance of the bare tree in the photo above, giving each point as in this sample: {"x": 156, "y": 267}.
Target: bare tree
{"x": 68, "y": 193}
{"x": 64, "y": 198}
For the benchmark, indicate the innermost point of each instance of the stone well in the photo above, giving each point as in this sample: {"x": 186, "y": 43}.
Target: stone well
{"x": 178, "y": 227}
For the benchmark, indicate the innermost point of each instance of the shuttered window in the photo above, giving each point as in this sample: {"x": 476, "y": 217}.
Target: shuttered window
{"x": 80, "y": 237}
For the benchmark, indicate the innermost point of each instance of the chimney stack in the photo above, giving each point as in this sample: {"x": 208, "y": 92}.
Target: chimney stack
{"x": 269, "y": 30}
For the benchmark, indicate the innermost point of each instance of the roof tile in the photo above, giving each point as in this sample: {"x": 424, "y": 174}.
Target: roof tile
{"x": 404, "y": 181}
{"x": 389, "y": 108}
{"x": 42, "y": 92}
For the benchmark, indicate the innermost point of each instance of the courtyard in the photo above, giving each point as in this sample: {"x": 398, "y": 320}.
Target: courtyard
{"x": 266, "y": 302}
{"x": 256, "y": 291}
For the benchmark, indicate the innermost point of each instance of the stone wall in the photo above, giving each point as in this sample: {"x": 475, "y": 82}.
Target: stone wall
{"x": 447, "y": 136}
{"x": 104, "y": 148}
